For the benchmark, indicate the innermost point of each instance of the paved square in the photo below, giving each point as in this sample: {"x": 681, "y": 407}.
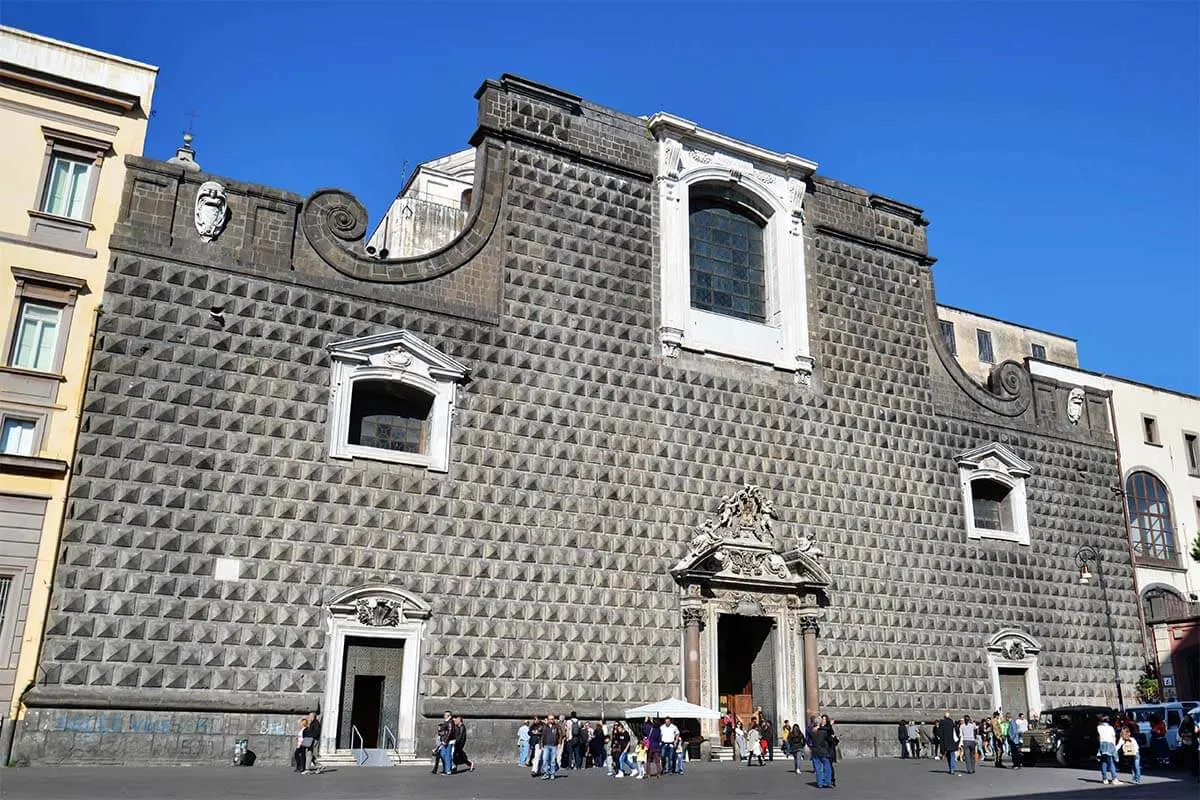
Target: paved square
{"x": 874, "y": 779}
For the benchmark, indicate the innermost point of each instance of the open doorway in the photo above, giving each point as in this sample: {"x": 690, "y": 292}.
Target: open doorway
{"x": 370, "y": 698}
{"x": 746, "y": 665}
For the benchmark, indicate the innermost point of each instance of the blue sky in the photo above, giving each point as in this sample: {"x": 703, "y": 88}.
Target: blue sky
{"x": 1054, "y": 146}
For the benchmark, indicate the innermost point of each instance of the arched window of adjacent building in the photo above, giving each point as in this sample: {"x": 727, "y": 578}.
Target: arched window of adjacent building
{"x": 727, "y": 252}
{"x": 1150, "y": 518}
{"x": 1160, "y": 603}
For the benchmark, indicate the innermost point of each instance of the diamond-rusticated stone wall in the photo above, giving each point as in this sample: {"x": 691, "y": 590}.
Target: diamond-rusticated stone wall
{"x": 582, "y": 461}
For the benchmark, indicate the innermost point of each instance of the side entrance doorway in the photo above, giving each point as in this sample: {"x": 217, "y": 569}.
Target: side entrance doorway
{"x": 370, "y": 702}
{"x": 373, "y": 646}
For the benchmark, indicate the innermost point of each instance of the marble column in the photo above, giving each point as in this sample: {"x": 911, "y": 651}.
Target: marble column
{"x": 691, "y": 654}
{"x": 810, "y": 629}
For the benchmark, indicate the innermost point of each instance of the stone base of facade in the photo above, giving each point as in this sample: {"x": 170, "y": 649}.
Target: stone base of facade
{"x": 78, "y": 737}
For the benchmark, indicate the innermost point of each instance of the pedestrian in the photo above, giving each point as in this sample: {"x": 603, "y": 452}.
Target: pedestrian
{"x": 739, "y": 741}
{"x": 784, "y": 735}
{"x": 754, "y": 745}
{"x": 314, "y": 733}
{"x": 669, "y": 734}
{"x": 967, "y": 734}
{"x": 796, "y": 744}
{"x": 1015, "y": 740}
{"x": 642, "y": 755}
{"x": 1108, "y": 751}
{"x": 523, "y": 743}
{"x": 445, "y": 743}
{"x": 727, "y": 730}
{"x": 997, "y": 725}
{"x": 535, "y": 746}
{"x": 983, "y": 734}
{"x": 1130, "y": 749}
{"x": 653, "y": 734}
{"x": 551, "y": 736}
{"x": 573, "y": 746}
{"x": 821, "y": 751}
{"x": 768, "y": 737}
{"x": 827, "y": 724}
{"x": 619, "y": 742}
{"x": 902, "y": 736}
{"x": 947, "y": 737}
{"x": 598, "y": 741}
{"x": 302, "y": 744}
{"x": 459, "y": 735}
{"x": 914, "y": 740}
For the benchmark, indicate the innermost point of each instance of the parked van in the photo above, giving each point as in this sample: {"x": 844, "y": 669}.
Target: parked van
{"x": 1170, "y": 713}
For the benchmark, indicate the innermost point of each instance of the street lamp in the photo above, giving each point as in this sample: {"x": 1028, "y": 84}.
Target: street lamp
{"x": 1091, "y": 556}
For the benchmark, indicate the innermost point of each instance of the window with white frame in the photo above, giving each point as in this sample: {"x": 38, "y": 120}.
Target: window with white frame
{"x": 67, "y": 186}
{"x": 731, "y": 249}
{"x": 392, "y": 399}
{"x": 35, "y": 339}
{"x": 992, "y": 480}
{"x": 18, "y": 436}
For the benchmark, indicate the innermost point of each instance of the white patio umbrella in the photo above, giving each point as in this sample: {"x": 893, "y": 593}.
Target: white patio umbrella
{"x": 674, "y": 708}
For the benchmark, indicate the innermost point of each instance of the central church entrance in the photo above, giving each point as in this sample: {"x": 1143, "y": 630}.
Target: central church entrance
{"x": 746, "y": 665}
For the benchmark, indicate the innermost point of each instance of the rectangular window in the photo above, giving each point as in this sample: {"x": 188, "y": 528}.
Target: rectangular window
{"x": 1191, "y": 451}
{"x": 1039, "y": 351}
{"x": 6, "y": 582}
{"x": 948, "y": 337}
{"x": 35, "y": 343}
{"x": 67, "y": 187}
{"x": 1150, "y": 429}
{"x": 16, "y": 437}
{"x": 985, "y": 346}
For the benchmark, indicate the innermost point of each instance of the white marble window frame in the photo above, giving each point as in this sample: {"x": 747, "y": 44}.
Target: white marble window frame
{"x": 996, "y": 463}
{"x": 689, "y": 158}
{"x": 403, "y": 359}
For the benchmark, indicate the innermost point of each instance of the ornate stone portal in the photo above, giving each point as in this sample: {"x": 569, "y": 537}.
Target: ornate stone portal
{"x": 742, "y": 563}
{"x": 375, "y": 614}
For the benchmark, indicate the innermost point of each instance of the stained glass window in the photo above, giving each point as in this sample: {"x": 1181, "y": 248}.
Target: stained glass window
{"x": 726, "y": 245}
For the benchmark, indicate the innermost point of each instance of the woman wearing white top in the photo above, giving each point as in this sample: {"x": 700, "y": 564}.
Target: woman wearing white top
{"x": 1108, "y": 751}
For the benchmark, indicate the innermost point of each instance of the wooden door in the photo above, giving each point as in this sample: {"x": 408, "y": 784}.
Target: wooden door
{"x": 1013, "y": 699}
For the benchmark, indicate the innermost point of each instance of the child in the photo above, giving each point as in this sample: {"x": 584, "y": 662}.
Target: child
{"x": 1131, "y": 750}
{"x": 643, "y": 752}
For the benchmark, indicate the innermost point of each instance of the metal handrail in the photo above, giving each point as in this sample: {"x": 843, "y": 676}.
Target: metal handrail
{"x": 361, "y": 745}
{"x": 387, "y": 734}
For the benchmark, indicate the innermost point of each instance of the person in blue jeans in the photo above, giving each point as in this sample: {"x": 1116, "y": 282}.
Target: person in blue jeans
{"x": 446, "y": 743}
{"x": 946, "y": 734}
{"x": 551, "y": 735}
{"x": 1108, "y": 751}
{"x": 822, "y": 753}
{"x": 1129, "y": 748}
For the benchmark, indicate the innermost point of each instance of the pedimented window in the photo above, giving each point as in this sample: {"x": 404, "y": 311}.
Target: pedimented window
{"x": 992, "y": 479}
{"x": 392, "y": 399}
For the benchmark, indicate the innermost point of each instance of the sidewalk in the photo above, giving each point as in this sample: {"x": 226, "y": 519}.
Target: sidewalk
{"x": 868, "y": 779}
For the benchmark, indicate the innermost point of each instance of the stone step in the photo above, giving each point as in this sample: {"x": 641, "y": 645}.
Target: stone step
{"x": 726, "y": 754}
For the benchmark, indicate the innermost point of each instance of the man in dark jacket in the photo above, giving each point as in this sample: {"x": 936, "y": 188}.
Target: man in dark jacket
{"x": 822, "y": 752}
{"x": 902, "y": 735}
{"x": 946, "y": 735}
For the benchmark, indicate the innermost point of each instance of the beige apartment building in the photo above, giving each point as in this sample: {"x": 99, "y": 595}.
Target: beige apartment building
{"x": 980, "y": 342}
{"x": 68, "y": 118}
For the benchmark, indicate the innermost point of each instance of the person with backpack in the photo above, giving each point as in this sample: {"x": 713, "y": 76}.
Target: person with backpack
{"x": 573, "y": 748}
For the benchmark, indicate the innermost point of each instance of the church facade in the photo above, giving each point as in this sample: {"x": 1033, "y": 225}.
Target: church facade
{"x": 671, "y": 416}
